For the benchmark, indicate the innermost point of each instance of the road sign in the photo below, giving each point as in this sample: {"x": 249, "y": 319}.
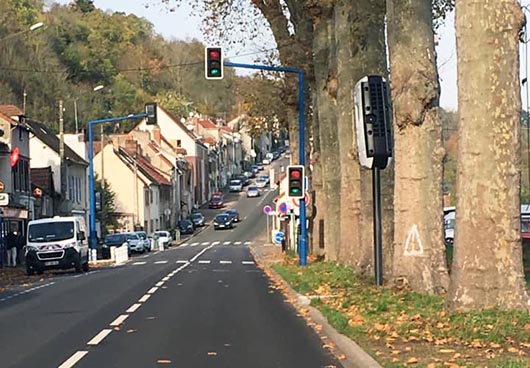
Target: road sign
{"x": 296, "y": 201}
{"x": 283, "y": 208}
{"x": 267, "y": 209}
{"x": 278, "y": 237}
{"x": 4, "y": 199}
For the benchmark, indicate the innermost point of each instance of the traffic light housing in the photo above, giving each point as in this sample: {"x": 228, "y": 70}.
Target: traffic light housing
{"x": 150, "y": 110}
{"x": 373, "y": 122}
{"x": 213, "y": 58}
{"x": 296, "y": 179}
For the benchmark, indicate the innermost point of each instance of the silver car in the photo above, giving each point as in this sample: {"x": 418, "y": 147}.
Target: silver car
{"x": 253, "y": 191}
{"x": 134, "y": 242}
{"x": 144, "y": 240}
{"x": 164, "y": 237}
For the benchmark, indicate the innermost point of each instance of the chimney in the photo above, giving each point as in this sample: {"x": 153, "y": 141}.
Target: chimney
{"x": 156, "y": 135}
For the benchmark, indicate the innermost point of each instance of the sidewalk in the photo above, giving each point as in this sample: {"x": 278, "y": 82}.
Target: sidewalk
{"x": 346, "y": 350}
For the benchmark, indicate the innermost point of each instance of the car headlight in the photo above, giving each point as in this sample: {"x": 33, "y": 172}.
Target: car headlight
{"x": 30, "y": 248}
{"x": 69, "y": 245}
{"x": 227, "y": 223}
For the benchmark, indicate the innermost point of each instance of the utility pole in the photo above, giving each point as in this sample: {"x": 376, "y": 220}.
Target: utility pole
{"x": 102, "y": 195}
{"x": 63, "y": 170}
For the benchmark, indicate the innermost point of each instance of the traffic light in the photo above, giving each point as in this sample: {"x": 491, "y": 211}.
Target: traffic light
{"x": 213, "y": 58}
{"x": 296, "y": 178}
{"x": 373, "y": 122}
{"x": 150, "y": 110}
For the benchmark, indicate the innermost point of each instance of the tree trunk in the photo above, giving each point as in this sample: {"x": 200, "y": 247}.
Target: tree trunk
{"x": 487, "y": 266}
{"x": 419, "y": 249}
{"x": 360, "y": 43}
{"x": 325, "y": 95}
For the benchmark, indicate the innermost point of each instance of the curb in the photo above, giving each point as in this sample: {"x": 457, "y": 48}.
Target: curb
{"x": 355, "y": 356}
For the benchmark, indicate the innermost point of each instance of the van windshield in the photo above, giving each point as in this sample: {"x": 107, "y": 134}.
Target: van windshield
{"x": 51, "y": 231}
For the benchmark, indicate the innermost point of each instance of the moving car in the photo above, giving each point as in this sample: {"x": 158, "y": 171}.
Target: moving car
{"x": 186, "y": 226}
{"x": 261, "y": 182}
{"x": 234, "y": 215}
{"x": 198, "y": 219}
{"x": 216, "y": 201}
{"x": 222, "y": 221}
{"x": 163, "y": 237}
{"x": 253, "y": 191}
{"x": 235, "y": 185}
{"x": 144, "y": 240}
{"x": 56, "y": 243}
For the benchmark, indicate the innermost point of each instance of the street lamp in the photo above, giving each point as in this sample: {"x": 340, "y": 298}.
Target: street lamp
{"x": 30, "y": 29}
{"x": 95, "y": 89}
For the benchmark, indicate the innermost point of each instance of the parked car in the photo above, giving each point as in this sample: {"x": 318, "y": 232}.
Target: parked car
{"x": 223, "y": 221}
{"x": 164, "y": 237}
{"x": 234, "y": 215}
{"x": 253, "y": 191}
{"x": 235, "y": 185}
{"x": 145, "y": 241}
{"x": 116, "y": 240}
{"x": 216, "y": 201}
{"x": 260, "y": 166}
{"x": 254, "y": 169}
{"x": 267, "y": 161}
{"x": 198, "y": 219}
{"x": 186, "y": 226}
{"x": 261, "y": 182}
{"x": 134, "y": 242}
{"x": 245, "y": 180}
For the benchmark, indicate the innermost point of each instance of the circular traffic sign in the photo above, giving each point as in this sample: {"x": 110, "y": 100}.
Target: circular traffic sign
{"x": 278, "y": 237}
{"x": 283, "y": 208}
{"x": 267, "y": 209}
{"x": 296, "y": 201}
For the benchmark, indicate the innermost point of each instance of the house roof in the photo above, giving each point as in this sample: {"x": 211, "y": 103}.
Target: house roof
{"x": 207, "y": 123}
{"x": 49, "y": 138}
{"x": 209, "y": 140}
{"x": 7, "y": 118}
{"x": 42, "y": 177}
{"x": 144, "y": 166}
{"x": 11, "y": 110}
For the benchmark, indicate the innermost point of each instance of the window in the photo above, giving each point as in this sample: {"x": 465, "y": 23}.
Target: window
{"x": 146, "y": 195}
{"x": 179, "y": 143}
{"x": 151, "y": 195}
{"x": 71, "y": 188}
{"x": 79, "y": 192}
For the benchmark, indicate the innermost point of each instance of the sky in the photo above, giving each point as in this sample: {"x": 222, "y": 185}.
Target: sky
{"x": 179, "y": 24}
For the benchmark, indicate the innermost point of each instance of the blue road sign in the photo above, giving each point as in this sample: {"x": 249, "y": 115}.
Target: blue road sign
{"x": 278, "y": 237}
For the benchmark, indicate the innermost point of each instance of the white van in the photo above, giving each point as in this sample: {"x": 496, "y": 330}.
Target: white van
{"x": 56, "y": 243}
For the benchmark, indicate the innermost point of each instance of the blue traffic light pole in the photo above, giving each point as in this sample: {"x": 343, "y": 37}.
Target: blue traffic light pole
{"x": 301, "y": 138}
{"x": 91, "y": 184}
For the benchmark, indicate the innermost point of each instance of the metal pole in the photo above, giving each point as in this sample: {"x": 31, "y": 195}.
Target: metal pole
{"x": 378, "y": 231}
{"x": 64, "y": 178}
{"x": 75, "y": 117}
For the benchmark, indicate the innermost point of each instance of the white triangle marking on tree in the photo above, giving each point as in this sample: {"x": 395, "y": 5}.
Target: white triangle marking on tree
{"x": 413, "y": 246}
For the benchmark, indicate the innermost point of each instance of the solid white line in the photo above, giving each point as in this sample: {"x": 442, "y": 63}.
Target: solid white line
{"x": 99, "y": 337}
{"x": 159, "y": 283}
{"x": 225, "y": 262}
{"x": 139, "y": 263}
{"x": 204, "y": 262}
{"x": 70, "y": 362}
{"x": 248, "y": 262}
{"x": 118, "y": 321}
{"x": 133, "y": 308}
{"x": 200, "y": 253}
{"x": 205, "y": 243}
{"x": 152, "y": 290}
{"x": 160, "y": 262}
{"x": 237, "y": 243}
{"x": 144, "y": 298}
{"x": 227, "y": 242}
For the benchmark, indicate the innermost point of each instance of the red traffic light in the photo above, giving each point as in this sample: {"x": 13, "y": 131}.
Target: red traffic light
{"x": 295, "y": 174}
{"x": 214, "y": 54}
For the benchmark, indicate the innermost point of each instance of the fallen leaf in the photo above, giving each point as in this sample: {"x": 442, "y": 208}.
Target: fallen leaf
{"x": 412, "y": 361}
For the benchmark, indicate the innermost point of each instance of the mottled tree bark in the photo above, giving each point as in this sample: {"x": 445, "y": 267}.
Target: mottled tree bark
{"x": 419, "y": 249}
{"x": 487, "y": 266}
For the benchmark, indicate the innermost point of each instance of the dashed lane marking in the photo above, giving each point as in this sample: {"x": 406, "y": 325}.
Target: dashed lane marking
{"x": 184, "y": 245}
{"x": 138, "y": 263}
{"x": 194, "y": 244}
{"x": 144, "y": 298}
{"x": 160, "y": 262}
{"x": 152, "y": 290}
{"x": 225, "y": 262}
{"x": 227, "y": 242}
{"x": 118, "y": 321}
{"x": 76, "y": 357}
{"x": 205, "y": 243}
{"x": 99, "y": 337}
{"x": 133, "y": 308}
{"x": 215, "y": 243}
{"x": 204, "y": 262}
{"x": 237, "y": 243}
{"x": 182, "y": 261}
{"x": 247, "y": 262}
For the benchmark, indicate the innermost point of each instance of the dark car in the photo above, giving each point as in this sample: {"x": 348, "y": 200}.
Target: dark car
{"x": 186, "y": 226}
{"x": 222, "y": 221}
{"x": 244, "y": 180}
{"x": 216, "y": 201}
{"x": 115, "y": 240}
{"x": 198, "y": 219}
{"x": 234, "y": 215}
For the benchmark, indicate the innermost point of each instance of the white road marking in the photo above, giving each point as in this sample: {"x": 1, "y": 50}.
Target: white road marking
{"x": 200, "y": 253}
{"x": 247, "y": 243}
{"x": 118, "y": 321}
{"x": 225, "y": 262}
{"x": 144, "y": 298}
{"x": 160, "y": 262}
{"x": 182, "y": 261}
{"x": 99, "y": 337}
{"x": 194, "y": 244}
{"x": 133, "y": 308}
{"x": 204, "y": 262}
{"x": 247, "y": 262}
{"x": 152, "y": 290}
{"x": 138, "y": 263}
{"x": 70, "y": 362}
{"x": 237, "y": 243}
{"x": 160, "y": 283}
{"x": 227, "y": 242}
{"x": 166, "y": 278}
{"x": 215, "y": 243}
{"x": 205, "y": 243}
{"x": 184, "y": 245}
{"x": 147, "y": 255}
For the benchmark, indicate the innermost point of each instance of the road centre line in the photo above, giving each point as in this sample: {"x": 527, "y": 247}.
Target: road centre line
{"x": 227, "y": 242}
{"x": 152, "y": 290}
{"x": 215, "y": 243}
{"x": 160, "y": 283}
{"x": 161, "y": 262}
{"x": 200, "y": 253}
{"x": 205, "y": 243}
{"x": 144, "y": 298}
{"x": 138, "y": 263}
{"x": 184, "y": 245}
{"x": 166, "y": 278}
{"x": 133, "y": 308}
{"x": 118, "y": 321}
{"x": 99, "y": 337}
{"x": 182, "y": 261}
{"x": 225, "y": 262}
{"x": 76, "y": 357}
{"x": 204, "y": 262}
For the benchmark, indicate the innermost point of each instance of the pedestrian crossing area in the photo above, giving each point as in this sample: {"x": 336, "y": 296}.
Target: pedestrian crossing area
{"x": 229, "y": 242}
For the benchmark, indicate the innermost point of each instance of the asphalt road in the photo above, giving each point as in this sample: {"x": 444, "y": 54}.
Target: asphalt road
{"x": 202, "y": 304}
